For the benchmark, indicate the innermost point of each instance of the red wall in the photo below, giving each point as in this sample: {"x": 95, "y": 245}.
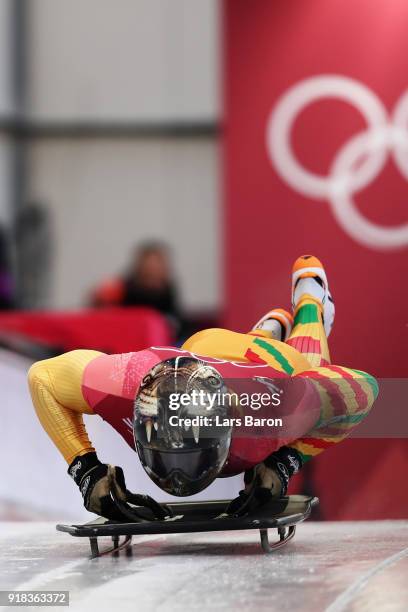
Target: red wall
{"x": 269, "y": 48}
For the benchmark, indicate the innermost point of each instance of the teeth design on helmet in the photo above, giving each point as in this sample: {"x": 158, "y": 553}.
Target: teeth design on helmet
{"x": 196, "y": 433}
{"x": 147, "y": 405}
{"x": 148, "y": 429}
{"x": 156, "y": 425}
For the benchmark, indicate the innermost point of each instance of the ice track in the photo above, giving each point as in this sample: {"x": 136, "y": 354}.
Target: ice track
{"x": 328, "y": 566}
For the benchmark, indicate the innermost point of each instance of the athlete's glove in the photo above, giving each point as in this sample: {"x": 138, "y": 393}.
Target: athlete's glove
{"x": 267, "y": 480}
{"x": 95, "y": 480}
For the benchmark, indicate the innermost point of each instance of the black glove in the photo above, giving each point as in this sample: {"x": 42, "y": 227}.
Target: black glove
{"x": 95, "y": 479}
{"x": 267, "y": 480}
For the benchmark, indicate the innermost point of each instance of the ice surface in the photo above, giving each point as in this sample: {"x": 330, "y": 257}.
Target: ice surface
{"x": 328, "y": 566}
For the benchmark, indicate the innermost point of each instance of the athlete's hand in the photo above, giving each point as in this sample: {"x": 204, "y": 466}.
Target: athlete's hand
{"x": 261, "y": 485}
{"x": 95, "y": 480}
{"x": 273, "y": 479}
{"x": 266, "y": 481}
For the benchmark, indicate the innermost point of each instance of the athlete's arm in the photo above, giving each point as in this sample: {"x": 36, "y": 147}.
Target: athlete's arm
{"x": 56, "y": 390}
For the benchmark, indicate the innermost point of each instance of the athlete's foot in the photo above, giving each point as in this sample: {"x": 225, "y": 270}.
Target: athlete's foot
{"x": 309, "y": 281}
{"x": 277, "y": 323}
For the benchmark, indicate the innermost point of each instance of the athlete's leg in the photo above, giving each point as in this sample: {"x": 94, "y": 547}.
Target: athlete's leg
{"x": 310, "y": 294}
{"x": 308, "y": 335}
{"x": 309, "y": 276}
{"x": 233, "y": 346}
{"x": 276, "y": 324}
{"x": 56, "y": 390}
{"x": 346, "y": 395}
{"x": 346, "y": 398}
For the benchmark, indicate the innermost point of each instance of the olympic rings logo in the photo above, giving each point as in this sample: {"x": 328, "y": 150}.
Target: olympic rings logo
{"x": 357, "y": 163}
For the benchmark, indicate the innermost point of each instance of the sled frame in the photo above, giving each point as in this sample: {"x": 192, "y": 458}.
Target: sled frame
{"x": 193, "y": 517}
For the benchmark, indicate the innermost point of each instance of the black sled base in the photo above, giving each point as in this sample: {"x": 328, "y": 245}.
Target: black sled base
{"x": 282, "y": 514}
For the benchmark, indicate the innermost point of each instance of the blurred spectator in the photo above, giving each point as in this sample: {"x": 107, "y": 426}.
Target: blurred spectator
{"x": 7, "y": 298}
{"x": 148, "y": 282}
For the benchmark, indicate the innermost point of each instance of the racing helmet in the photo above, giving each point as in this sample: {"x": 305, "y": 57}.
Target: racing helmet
{"x": 180, "y": 424}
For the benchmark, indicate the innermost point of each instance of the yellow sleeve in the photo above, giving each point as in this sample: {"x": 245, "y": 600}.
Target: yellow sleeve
{"x": 233, "y": 346}
{"x": 56, "y": 390}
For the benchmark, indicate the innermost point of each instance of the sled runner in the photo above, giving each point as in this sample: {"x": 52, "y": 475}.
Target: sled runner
{"x": 142, "y": 515}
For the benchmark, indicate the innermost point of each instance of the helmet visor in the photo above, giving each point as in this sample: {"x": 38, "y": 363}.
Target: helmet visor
{"x": 184, "y": 472}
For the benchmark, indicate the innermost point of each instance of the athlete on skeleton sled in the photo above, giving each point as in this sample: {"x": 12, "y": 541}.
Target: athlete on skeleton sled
{"x": 133, "y": 393}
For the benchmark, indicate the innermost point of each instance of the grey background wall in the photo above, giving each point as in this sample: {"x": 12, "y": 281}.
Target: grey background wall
{"x": 124, "y": 99}
{"x": 106, "y": 195}
{"x": 6, "y": 108}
